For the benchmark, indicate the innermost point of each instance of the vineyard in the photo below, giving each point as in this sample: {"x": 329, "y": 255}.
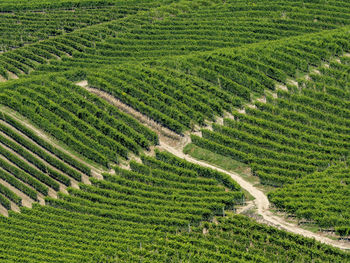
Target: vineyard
{"x": 98, "y": 99}
{"x": 295, "y": 134}
{"x": 150, "y": 213}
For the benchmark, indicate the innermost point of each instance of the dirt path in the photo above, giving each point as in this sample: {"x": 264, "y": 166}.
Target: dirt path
{"x": 176, "y": 144}
{"x": 261, "y": 201}
{"x": 131, "y": 111}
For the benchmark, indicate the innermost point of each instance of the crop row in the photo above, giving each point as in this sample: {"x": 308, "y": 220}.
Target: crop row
{"x": 131, "y": 227}
{"x": 179, "y": 36}
{"x": 43, "y": 143}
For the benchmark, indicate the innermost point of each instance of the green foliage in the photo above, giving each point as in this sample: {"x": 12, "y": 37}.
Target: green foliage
{"x": 43, "y": 143}
{"x": 9, "y": 178}
{"x": 202, "y": 171}
{"x": 181, "y": 64}
{"x": 10, "y": 195}
{"x": 328, "y": 192}
{"x": 125, "y": 218}
{"x": 25, "y": 177}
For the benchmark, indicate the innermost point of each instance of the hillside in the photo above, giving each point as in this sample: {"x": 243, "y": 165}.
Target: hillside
{"x": 99, "y": 99}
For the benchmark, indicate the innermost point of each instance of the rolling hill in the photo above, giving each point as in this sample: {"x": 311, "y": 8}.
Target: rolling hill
{"x": 98, "y": 99}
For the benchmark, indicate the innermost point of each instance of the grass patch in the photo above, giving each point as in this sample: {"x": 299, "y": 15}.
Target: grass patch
{"x": 221, "y": 161}
{"x": 311, "y": 227}
{"x": 264, "y": 188}
{"x": 227, "y": 164}
{"x": 248, "y": 196}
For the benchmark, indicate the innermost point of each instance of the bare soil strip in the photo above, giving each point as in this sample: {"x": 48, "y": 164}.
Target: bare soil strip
{"x": 243, "y": 209}
{"x": 3, "y": 211}
{"x": 161, "y": 130}
{"x": 26, "y": 200}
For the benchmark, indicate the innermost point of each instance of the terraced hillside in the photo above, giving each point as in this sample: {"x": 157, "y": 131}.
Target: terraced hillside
{"x": 150, "y": 214}
{"x": 28, "y": 22}
{"x": 93, "y": 91}
{"x": 182, "y": 27}
{"x": 298, "y": 131}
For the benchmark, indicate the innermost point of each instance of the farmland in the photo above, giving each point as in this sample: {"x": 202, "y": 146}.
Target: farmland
{"x": 98, "y": 99}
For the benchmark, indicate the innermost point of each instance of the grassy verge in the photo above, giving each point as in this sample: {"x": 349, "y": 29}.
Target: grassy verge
{"x": 227, "y": 164}
{"x": 223, "y": 162}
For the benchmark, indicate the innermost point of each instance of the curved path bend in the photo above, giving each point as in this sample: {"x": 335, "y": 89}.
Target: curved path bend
{"x": 261, "y": 201}
{"x": 175, "y": 145}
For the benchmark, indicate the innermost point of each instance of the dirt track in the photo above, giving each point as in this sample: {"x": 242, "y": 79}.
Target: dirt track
{"x": 176, "y": 146}
{"x": 261, "y": 201}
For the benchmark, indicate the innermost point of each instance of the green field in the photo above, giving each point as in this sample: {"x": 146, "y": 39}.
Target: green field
{"x": 93, "y": 93}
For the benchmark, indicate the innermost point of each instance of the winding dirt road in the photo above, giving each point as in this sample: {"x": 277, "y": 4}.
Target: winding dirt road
{"x": 261, "y": 201}
{"x": 175, "y": 145}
